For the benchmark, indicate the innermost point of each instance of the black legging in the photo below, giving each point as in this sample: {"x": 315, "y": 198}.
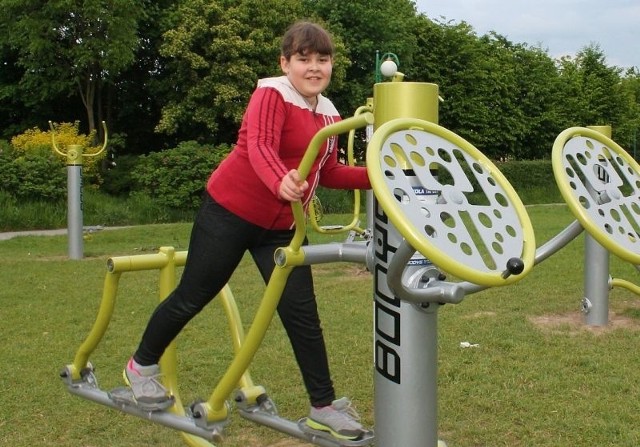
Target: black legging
{"x": 218, "y": 242}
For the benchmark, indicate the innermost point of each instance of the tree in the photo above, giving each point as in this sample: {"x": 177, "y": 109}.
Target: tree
{"x": 590, "y": 89}
{"x": 537, "y": 81}
{"x": 134, "y": 100}
{"x": 12, "y": 110}
{"x": 165, "y": 71}
{"x": 477, "y": 79}
{"x": 216, "y": 53}
{"x": 627, "y": 133}
{"x": 366, "y": 26}
{"x": 71, "y": 46}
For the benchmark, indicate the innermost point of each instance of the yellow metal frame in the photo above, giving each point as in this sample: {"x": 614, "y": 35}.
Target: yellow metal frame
{"x": 410, "y": 232}
{"x": 237, "y": 375}
{"x": 75, "y": 152}
{"x": 353, "y": 225}
{"x": 166, "y": 261}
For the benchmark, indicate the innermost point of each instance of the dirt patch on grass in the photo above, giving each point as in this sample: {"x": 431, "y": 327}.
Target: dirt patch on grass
{"x": 574, "y": 323}
{"x": 290, "y": 443}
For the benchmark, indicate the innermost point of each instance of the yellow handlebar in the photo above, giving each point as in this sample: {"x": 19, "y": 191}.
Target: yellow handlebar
{"x": 310, "y": 155}
{"x": 313, "y": 213}
{"x": 76, "y": 149}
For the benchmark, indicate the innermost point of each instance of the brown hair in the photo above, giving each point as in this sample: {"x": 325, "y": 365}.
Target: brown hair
{"x": 304, "y": 38}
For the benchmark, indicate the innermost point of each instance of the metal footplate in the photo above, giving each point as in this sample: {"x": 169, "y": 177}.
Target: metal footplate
{"x": 122, "y": 399}
{"x": 265, "y": 413}
{"x": 366, "y": 439}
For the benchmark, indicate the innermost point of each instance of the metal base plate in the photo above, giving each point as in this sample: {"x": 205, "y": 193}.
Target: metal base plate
{"x": 366, "y": 439}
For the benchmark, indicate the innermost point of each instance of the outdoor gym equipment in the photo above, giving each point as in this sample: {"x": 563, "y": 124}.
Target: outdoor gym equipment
{"x": 487, "y": 239}
{"x": 406, "y": 295}
{"x": 448, "y": 232}
{"x": 74, "y": 154}
{"x": 477, "y": 230}
{"x": 203, "y": 421}
{"x": 600, "y": 183}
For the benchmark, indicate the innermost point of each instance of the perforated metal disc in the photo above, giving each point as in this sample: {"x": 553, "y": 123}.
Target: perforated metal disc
{"x": 478, "y": 223}
{"x": 600, "y": 182}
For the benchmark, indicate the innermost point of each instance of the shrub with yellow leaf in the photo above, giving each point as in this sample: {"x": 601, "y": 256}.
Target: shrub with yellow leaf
{"x": 35, "y": 141}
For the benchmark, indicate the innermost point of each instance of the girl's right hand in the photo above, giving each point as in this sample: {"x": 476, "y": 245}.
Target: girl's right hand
{"x": 292, "y": 188}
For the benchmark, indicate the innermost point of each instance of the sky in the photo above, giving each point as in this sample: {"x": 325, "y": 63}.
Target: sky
{"x": 563, "y": 27}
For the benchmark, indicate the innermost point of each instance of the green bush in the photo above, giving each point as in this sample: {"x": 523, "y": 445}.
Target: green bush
{"x": 533, "y": 180}
{"x": 17, "y": 215}
{"x": 528, "y": 173}
{"x": 136, "y": 209}
{"x": 118, "y": 180}
{"x": 37, "y": 142}
{"x": 32, "y": 175}
{"x": 338, "y": 201}
{"x": 176, "y": 178}
{"x": 167, "y": 187}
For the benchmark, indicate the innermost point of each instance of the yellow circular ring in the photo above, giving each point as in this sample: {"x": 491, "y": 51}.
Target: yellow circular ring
{"x": 573, "y": 202}
{"x": 417, "y": 239}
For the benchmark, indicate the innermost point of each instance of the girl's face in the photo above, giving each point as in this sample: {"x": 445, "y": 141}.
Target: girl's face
{"x": 310, "y": 73}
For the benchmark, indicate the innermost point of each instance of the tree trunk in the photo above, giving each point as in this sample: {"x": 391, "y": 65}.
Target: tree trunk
{"x": 88, "y": 93}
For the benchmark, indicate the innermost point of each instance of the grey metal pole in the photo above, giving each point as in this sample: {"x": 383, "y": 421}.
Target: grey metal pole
{"x": 595, "y": 303}
{"x": 74, "y": 211}
{"x": 405, "y": 338}
{"x": 405, "y": 355}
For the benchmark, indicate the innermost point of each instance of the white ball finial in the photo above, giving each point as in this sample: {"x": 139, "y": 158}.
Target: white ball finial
{"x": 388, "y": 68}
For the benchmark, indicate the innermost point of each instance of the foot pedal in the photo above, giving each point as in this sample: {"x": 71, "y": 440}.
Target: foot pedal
{"x": 124, "y": 396}
{"x": 365, "y": 439}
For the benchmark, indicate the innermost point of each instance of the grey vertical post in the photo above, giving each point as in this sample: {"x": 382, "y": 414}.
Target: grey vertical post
{"x": 74, "y": 211}
{"x": 405, "y": 356}
{"x": 595, "y": 303}
{"x": 405, "y": 339}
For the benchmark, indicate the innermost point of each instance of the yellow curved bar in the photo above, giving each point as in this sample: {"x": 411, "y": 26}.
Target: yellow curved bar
{"x": 333, "y": 129}
{"x": 169, "y": 361}
{"x": 356, "y": 192}
{"x": 99, "y": 328}
{"x": 79, "y": 148}
{"x": 104, "y": 145}
{"x": 625, "y": 285}
{"x": 572, "y": 201}
{"x": 235, "y": 328}
{"x": 216, "y": 409}
{"x": 53, "y": 140}
{"x": 311, "y": 154}
{"x": 237, "y": 336}
{"x": 415, "y": 238}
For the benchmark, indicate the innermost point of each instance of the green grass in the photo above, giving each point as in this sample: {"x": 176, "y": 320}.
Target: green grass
{"x": 526, "y": 384}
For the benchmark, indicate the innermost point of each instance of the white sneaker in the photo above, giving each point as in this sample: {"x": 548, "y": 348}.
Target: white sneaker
{"x": 340, "y": 419}
{"x": 146, "y": 387}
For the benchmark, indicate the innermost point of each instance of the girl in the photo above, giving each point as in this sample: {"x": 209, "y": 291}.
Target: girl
{"x": 247, "y": 207}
